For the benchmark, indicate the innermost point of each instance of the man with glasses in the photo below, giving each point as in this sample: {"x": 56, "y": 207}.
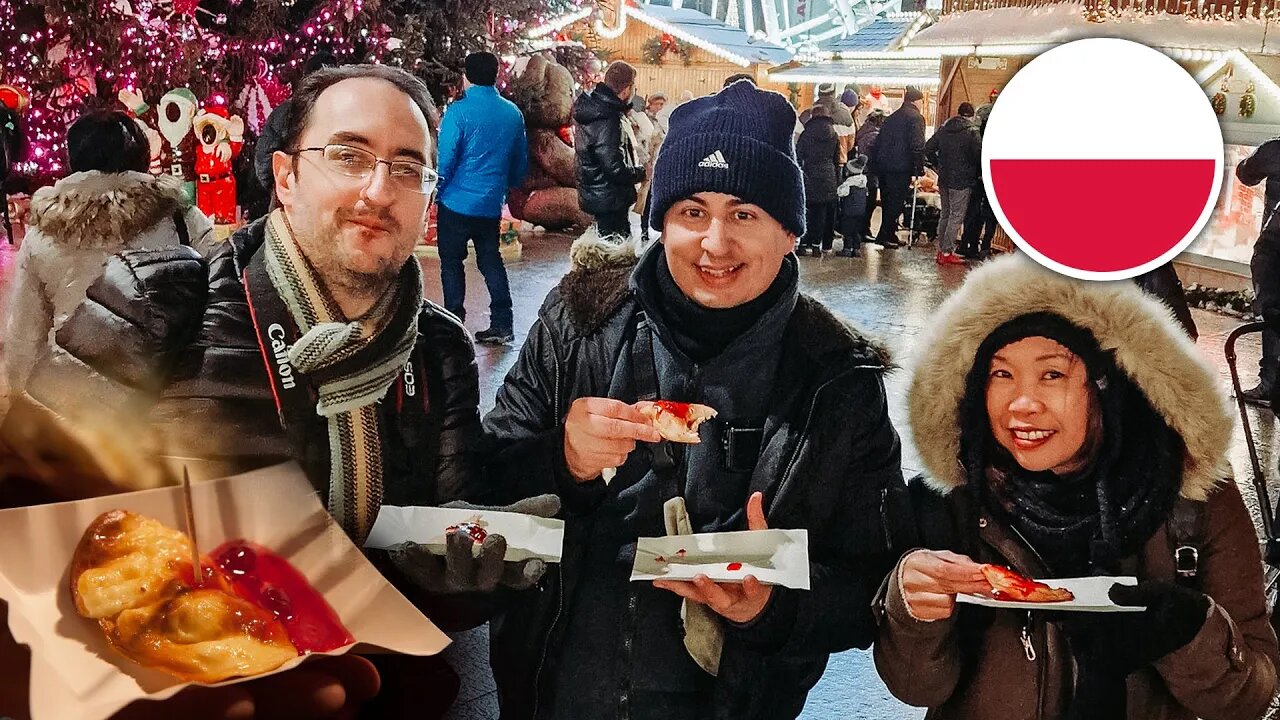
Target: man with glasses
{"x": 307, "y": 338}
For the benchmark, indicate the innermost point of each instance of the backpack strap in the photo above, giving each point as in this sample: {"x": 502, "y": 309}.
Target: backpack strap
{"x": 1186, "y": 537}
{"x": 180, "y": 225}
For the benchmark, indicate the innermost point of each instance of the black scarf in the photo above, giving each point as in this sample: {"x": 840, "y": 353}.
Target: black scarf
{"x": 699, "y": 332}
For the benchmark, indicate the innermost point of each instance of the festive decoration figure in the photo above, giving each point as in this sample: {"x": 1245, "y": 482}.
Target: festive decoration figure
{"x": 143, "y": 114}
{"x": 220, "y": 137}
{"x": 177, "y": 109}
{"x": 549, "y": 194}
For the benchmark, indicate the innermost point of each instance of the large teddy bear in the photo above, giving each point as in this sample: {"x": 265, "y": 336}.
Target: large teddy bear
{"x": 549, "y": 194}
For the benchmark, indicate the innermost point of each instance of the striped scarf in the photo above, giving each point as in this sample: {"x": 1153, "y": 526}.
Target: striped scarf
{"x": 351, "y": 364}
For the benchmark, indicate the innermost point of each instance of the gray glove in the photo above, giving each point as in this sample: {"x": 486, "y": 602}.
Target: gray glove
{"x": 461, "y": 569}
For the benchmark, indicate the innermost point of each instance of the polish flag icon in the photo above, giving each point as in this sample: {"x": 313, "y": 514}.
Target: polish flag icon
{"x": 1102, "y": 159}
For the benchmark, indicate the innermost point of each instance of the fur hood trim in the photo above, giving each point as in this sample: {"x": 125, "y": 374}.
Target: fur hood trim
{"x": 1148, "y": 344}
{"x": 94, "y": 209}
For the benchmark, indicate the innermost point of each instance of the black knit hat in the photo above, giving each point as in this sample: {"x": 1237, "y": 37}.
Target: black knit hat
{"x": 738, "y": 142}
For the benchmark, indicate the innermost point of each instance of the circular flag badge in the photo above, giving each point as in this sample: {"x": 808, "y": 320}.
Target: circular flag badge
{"x": 1102, "y": 159}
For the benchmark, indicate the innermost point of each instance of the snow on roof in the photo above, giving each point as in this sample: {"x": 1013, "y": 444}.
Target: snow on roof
{"x": 884, "y": 71}
{"x": 1039, "y": 27}
{"x": 710, "y": 34}
{"x": 880, "y": 35}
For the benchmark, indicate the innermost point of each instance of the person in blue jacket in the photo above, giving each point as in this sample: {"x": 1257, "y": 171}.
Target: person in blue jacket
{"x": 483, "y": 152}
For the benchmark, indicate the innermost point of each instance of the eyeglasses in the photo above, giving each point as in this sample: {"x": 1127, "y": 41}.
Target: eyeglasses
{"x": 359, "y": 163}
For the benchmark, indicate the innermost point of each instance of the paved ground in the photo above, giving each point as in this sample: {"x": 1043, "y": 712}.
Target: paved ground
{"x": 888, "y": 293}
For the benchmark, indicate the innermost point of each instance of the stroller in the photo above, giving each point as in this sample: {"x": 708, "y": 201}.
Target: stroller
{"x": 1271, "y": 532}
{"x": 853, "y": 205}
{"x": 924, "y": 218}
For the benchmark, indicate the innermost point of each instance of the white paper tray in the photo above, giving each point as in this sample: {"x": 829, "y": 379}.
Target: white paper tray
{"x": 774, "y": 557}
{"x": 1090, "y": 592}
{"x": 527, "y": 536}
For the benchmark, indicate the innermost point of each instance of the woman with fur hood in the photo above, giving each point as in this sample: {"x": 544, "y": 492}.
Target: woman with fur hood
{"x": 107, "y": 205}
{"x": 1070, "y": 430}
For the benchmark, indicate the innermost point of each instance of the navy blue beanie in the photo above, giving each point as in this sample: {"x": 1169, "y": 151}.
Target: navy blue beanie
{"x": 738, "y": 142}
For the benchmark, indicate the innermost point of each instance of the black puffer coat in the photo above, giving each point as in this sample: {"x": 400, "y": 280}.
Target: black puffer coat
{"x": 606, "y": 178}
{"x": 955, "y": 151}
{"x": 818, "y": 151}
{"x": 899, "y": 149}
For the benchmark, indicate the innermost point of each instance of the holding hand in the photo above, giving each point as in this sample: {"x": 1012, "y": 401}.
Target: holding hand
{"x": 600, "y": 433}
{"x": 461, "y": 569}
{"x": 1173, "y": 618}
{"x": 931, "y": 579}
{"x": 738, "y": 603}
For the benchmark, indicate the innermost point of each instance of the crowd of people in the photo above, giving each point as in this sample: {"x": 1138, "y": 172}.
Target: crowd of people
{"x": 1068, "y": 428}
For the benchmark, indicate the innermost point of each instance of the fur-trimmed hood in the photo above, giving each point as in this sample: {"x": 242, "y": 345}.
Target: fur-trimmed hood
{"x": 1148, "y": 344}
{"x": 95, "y": 209}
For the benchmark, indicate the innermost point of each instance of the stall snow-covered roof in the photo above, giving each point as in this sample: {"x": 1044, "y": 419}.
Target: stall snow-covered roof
{"x": 1234, "y": 75}
{"x": 1027, "y": 31}
{"x": 886, "y": 32}
{"x": 883, "y": 71}
{"x": 714, "y": 36}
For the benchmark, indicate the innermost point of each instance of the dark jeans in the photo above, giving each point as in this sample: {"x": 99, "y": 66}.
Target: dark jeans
{"x": 452, "y": 233}
{"x": 895, "y": 193}
{"x": 1265, "y": 268}
{"x": 979, "y": 224}
{"x": 820, "y": 225}
{"x": 614, "y": 223}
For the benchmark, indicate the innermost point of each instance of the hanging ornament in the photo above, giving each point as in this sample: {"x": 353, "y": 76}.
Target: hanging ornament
{"x": 1248, "y": 104}
{"x": 185, "y": 7}
{"x": 220, "y": 19}
{"x": 1219, "y": 100}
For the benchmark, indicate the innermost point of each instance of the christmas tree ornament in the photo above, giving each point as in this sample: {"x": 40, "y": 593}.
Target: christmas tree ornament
{"x": 1248, "y": 102}
{"x": 1219, "y": 100}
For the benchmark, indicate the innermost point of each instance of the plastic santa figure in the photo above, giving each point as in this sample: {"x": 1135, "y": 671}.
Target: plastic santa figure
{"x": 875, "y": 100}
{"x": 220, "y": 138}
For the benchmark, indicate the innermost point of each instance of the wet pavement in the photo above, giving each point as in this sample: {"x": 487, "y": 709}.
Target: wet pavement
{"x": 888, "y": 293}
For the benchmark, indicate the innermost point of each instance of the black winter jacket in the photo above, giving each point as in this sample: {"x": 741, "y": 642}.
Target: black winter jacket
{"x": 818, "y": 151}
{"x": 955, "y": 151}
{"x": 169, "y": 337}
{"x": 606, "y": 180}
{"x": 899, "y": 149}
{"x": 1263, "y": 164}
{"x": 828, "y": 454}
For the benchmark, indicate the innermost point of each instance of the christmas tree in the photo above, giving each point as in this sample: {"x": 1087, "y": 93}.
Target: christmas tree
{"x": 68, "y": 56}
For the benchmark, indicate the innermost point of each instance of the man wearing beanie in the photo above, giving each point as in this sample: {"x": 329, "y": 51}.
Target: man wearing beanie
{"x": 898, "y": 157}
{"x": 711, "y": 314}
{"x": 483, "y": 151}
{"x": 608, "y": 170}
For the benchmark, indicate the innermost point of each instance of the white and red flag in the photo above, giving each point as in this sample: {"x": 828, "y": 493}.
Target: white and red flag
{"x": 1102, "y": 159}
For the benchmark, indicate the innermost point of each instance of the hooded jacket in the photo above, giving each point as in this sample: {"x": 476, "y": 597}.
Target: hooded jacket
{"x": 956, "y": 151}
{"x": 75, "y": 226}
{"x": 818, "y": 152}
{"x": 607, "y": 171}
{"x": 973, "y": 665}
{"x": 827, "y": 454}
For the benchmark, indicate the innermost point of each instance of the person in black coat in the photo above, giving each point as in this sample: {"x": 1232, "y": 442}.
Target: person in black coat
{"x": 865, "y": 143}
{"x": 979, "y": 219}
{"x": 955, "y": 150}
{"x": 608, "y": 171}
{"x": 1264, "y": 266}
{"x": 818, "y": 151}
{"x": 897, "y": 159}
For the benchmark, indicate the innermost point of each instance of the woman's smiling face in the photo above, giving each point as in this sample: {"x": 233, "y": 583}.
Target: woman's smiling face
{"x": 1039, "y": 404}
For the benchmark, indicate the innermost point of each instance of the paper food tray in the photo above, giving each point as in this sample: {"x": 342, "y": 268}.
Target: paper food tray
{"x": 527, "y": 536}
{"x": 75, "y": 674}
{"x": 1090, "y": 592}
{"x": 774, "y": 557}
